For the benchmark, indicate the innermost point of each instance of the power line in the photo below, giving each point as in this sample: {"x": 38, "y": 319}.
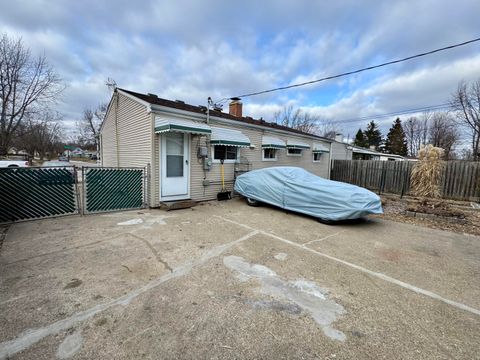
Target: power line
{"x": 401, "y": 112}
{"x": 355, "y": 71}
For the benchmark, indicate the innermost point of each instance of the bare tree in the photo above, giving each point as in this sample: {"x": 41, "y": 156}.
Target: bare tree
{"x": 41, "y": 134}
{"x": 416, "y": 132}
{"x": 327, "y": 128}
{"x": 27, "y": 84}
{"x": 296, "y": 118}
{"x": 466, "y": 103}
{"x": 443, "y": 133}
{"x": 412, "y": 134}
{"x": 423, "y": 126}
{"x": 89, "y": 125}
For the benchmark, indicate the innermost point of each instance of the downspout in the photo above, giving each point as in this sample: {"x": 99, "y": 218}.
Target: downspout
{"x": 330, "y": 162}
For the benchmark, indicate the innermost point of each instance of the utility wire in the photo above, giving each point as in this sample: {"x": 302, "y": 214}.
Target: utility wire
{"x": 356, "y": 71}
{"x": 401, "y": 112}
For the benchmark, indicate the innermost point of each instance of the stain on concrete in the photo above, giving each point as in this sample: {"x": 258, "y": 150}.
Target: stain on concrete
{"x": 73, "y": 284}
{"x": 101, "y": 322}
{"x": 305, "y": 294}
{"x": 131, "y": 222}
{"x": 70, "y": 346}
{"x": 281, "y": 256}
{"x": 275, "y": 305}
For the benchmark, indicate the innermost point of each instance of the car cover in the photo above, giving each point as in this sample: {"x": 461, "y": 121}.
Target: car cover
{"x": 296, "y": 189}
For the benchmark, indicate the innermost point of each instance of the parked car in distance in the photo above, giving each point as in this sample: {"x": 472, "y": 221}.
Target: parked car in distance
{"x": 296, "y": 189}
{"x": 63, "y": 158}
{"x": 6, "y": 163}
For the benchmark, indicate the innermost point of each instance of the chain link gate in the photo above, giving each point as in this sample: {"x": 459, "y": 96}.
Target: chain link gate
{"x": 112, "y": 189}
{"x": 37, "y": 192}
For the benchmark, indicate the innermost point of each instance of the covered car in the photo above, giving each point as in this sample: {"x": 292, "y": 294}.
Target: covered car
{"x": 296, "y": 189}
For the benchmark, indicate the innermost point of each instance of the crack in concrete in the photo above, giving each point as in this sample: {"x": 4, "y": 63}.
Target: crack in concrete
{"x": 34, "y": 335}
{"x": 153, "y": 251}
{"x": 324, "y": 238}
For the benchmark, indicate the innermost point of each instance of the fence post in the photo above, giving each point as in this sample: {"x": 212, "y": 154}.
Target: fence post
{"x": 77, "y": 191}
{"x": 147, "y": 185}
{"x": 84, "y": 189}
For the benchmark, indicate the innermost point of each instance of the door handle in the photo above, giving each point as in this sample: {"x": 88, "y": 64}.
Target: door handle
{"x": 186, "y": 161}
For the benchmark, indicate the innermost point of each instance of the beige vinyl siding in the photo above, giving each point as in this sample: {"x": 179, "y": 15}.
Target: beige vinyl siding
{"x": 340, "y": 151}
{"x": 134, "y": 133}
{"x": 135, "y": 129}
{"x": 254, "y": 156}
{"x": 108, "y": 142}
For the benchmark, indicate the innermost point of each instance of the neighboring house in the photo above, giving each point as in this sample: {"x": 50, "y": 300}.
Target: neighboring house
{"x": 77, "y": 152}
{"x": 340, "y": 149}
{"x": 344, "y": 151}
{"x": 370, "y": 154}
{"x": 183, "y": 148}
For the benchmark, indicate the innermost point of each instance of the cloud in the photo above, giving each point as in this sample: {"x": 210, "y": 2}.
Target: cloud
{"x": 190, "y": 50}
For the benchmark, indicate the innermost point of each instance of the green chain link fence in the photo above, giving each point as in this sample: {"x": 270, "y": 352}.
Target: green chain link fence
{"x": 110, "y": 189}
{"x": 34, "y": 193}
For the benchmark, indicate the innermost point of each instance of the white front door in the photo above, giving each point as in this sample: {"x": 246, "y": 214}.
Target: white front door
{"x": 175, "y": 166}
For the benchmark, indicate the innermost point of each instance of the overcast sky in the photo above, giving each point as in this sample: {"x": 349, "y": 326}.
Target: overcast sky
{"x": 190, "y": 50}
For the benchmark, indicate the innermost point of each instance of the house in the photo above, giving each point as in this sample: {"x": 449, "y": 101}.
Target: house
{"x": 360, "y": 153}
{"x": 345, "y": 151}
{"x": 183, "y": 145}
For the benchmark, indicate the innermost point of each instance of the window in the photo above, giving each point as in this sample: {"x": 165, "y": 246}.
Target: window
{"x": 294, "y": 152}
{"x": 229, "y": 153}
{"x": 317, "y": 156}
{"x": 269, "y": 155}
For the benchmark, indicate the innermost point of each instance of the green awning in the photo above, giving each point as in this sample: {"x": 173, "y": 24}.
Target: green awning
{"x": 270, "y": 142}
{"x": 319, "y": 148}
{"x": 163, "y": 125}
{"x": 229, "y": 137}
{"x": 296, "y": 144}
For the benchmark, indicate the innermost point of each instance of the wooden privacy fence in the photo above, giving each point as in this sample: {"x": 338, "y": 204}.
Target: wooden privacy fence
{"x": 460, "y": 179}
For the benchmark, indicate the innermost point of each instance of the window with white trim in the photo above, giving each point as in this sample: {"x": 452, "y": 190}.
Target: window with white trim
{"x": 294, "y": 152}
{"x": 269, "y": 154}
{"x": 317, "y": 156}
{"x": 229, "y": 153}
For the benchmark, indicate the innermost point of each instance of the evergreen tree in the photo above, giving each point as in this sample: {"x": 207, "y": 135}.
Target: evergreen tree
{"x": 396, "y": 142}
{"x": 373, "y": 135}
{"x": 360, "y": 139}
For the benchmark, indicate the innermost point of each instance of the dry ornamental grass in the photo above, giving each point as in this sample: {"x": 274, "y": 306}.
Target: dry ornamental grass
{"x": 426, "y": 175}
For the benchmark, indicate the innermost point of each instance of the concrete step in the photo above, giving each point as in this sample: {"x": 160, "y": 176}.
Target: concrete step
{"x": 175, "y": 205}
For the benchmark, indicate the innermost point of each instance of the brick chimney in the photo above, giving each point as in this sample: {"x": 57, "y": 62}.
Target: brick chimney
{"x": 235, "y": 107}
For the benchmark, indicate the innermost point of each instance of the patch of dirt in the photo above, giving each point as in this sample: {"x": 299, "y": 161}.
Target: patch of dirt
{"x": 394, "y": 209}
{"x": 439, "y": 208}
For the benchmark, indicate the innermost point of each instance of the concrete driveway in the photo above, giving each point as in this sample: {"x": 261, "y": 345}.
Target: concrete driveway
{"x": 224, "y": 280}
